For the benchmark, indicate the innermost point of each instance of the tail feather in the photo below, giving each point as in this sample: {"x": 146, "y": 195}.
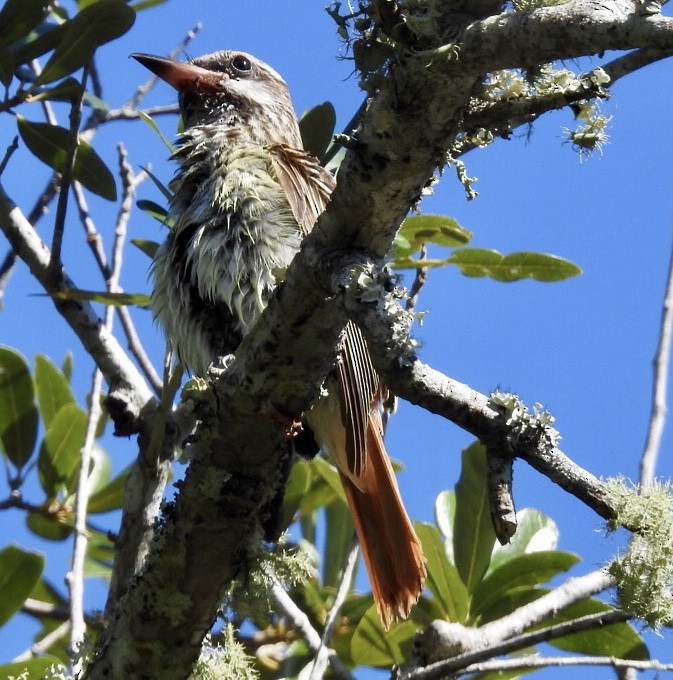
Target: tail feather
{"x": 392, "y": 552}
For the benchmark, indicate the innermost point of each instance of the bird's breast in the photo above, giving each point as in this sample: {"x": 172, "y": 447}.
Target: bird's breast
{"x": 233, "y": 238}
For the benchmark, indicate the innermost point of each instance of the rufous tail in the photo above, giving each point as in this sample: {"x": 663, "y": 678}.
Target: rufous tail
{"x": 392, "y": 552}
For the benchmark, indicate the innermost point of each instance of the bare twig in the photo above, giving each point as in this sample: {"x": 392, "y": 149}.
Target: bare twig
{"x": 467, "y": 645}
{"x": 419, "y": 281}
{"x": 321, "y": 661}
{"x": 310, "y": 635}
{"x": 661, "y": 367}
{"x": 66, "y": 176}
{"x": 75, "y": 577}
{"x": 560, "y": 661}
{"x": 143, "y": 89}
{"x": 41, "y": 646}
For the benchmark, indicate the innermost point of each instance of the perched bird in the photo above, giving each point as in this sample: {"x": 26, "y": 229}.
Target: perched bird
{"x": 244, "y": 195}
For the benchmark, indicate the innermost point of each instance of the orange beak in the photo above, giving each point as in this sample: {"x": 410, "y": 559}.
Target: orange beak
{"x": 182, "y": 75}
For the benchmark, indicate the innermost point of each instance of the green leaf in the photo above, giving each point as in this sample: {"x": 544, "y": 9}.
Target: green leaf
{"x": 110, "y": 496}
{"x": 20, "y": 570}
{"x": 535, "y": 532}
{"x": 297, "y": 486}
{"x": 438, "y": 229}
{"x": 19, "y": 17}
{"x": 51, "y": 527}
{"x": 154, "y": 210}
{"x": 47, "y": 39}
{"x": 148, "y": 247}
{"x": 6, "y": 65}
{"x": 339, "y": 533}
{"x": 317, "y": 128}
{"x": 480, "y": 262}
{"x": 146, "y": 118}
{"x": 95, "y": 25}
{"x": 50, "y": 144}
{"x": 145, "y": 4}
{"x": 522, "y": 571}
{"x": 60, "y": 450}
{"x": 53, "y": 388}
{"x": 445, "y": 513}
{"x": 167, "y": 193}
{"x": 474, "y": 536}
{"x": 67, "y": 90}
{"x": 372, "y": 646}
{"x": 618, "y": 639}
{"x": 18, "y": 414}
{"x": 330, "y": 475}
{"x": 105, "y": 297}
{"x": 37, "y": 667}
{"x": 443, "y": 580}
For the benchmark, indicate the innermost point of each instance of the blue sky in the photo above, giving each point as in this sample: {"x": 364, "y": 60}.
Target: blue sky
{"x": 583, "y": 347}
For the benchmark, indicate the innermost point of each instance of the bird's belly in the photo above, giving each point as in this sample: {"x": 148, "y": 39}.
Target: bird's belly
{"x": 213, "y": 281}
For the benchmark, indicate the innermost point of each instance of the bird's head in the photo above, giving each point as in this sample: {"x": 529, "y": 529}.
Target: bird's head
{"x": 234, "y": 89}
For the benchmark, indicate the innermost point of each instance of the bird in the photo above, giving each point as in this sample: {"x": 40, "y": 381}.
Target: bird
{"x": 244, "y": 195}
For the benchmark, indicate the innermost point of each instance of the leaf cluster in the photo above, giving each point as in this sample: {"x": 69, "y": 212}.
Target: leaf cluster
{"x": 42, "y": 431}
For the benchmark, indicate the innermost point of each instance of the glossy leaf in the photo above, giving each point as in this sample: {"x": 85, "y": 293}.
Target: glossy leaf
{"x": 20, "y": 570}
{"x": 154, "y": 210}
{"x": 46, "y": 40}
{"x": 445, "y": 514}
{"x": 317, "y": 128}
{"x": 438, "y": 229}
{"x": 167, "y": 193}
{"x": 60, "y": 450}
{"x": 95, "y": 25}
{"x": 474, "y": 536}
{"x": 148, "y": 247}
{"x": 53, "y": 388}
{"x": 146, "y": 118}
{"x": 522, "y": 571}
{"x": 480, "y": 262}
{"x": 18, "y": 413}
{"x": 50, "y": 527}
{"x": 146, "y": 4}
{"x": 6, "y": 65}
{"x": 535, "y": 531}
{"x": 19, "y": 17}
{"x": 297, "y": 486}
{"x": 372, "y": 646}
{"x": 443, "y": 580}
{"x": 50, "y": 144}
{"x": 618, "y": 639}
{"x": 110, "y": 496}
{"x": 339, "y": 534}
{"x": 105, "y": 297}
{"x": 67, "y": 90}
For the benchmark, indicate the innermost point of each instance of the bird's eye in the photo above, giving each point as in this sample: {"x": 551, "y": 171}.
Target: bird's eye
{"x": 241, "y": 63}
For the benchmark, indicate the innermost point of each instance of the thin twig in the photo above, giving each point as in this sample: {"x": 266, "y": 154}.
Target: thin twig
{"x": 41, "y": 646}
{"x": 75, "y": 577}
{"x": 321, "y": 661}
{"x": 8, "y": 153}
{"x": 503, "y": 635}
{"x": 661, "y": 367}
{"x": 130, "y": 182}
{"x": 310, "y": 635}
{"x": 543, "y": 662}
{"x": 143, "y": 89}
{"x": 66, "y": 176}
{"x": 419, "y": 280}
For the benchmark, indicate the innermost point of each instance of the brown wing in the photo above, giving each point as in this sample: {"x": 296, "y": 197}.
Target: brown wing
{"x": 308, "y": 187}
{"x": 306, "y": 183}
